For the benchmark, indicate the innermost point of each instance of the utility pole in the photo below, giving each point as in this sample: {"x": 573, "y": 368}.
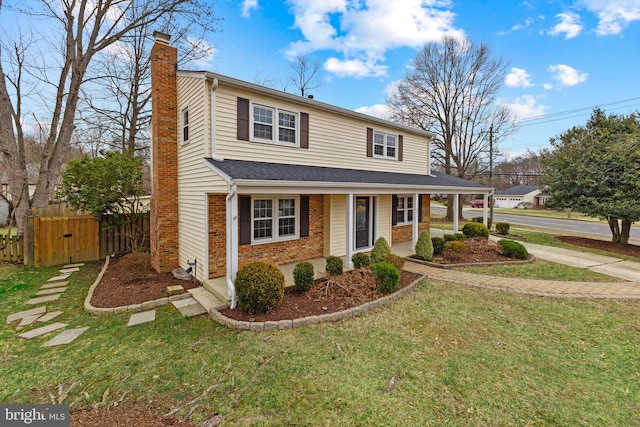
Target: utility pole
{"x": 491, "y": 173}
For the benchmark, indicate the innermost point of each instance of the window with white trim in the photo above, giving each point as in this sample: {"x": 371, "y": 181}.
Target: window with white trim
{"x": 185, "y": 125}
{"x": 385, "y": 145}
{"x": 274, "y": 125}
{"x": 274, "y": 219}
{"x": 404, "y": 210}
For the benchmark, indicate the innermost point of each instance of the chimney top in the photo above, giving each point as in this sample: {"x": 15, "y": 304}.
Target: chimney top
{"x": 161, "y": 37}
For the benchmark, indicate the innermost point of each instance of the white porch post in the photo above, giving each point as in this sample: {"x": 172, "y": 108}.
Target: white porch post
{"x": 456, "y": 207}
{"x": 484, "y": 209}
{"x": 232, "y": 242}
{"x": 349, "y": 230}
{"x": 415, "y": 229}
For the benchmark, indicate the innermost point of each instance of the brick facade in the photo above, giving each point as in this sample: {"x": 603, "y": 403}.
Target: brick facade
{"x": 164, "y": 157}
{"x": 285, "y": 252}
{"x": 403, "y": 233}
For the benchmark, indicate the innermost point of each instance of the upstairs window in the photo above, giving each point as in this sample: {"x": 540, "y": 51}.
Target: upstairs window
{"x": 385, "y": 145}
{"x": 185, "y": 125}
{"x": 274, "y": 125}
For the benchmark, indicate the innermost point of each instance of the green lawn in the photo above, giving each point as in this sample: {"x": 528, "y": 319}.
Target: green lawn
{"x": 461, "y": 356}
{"x": 540, "y": 269}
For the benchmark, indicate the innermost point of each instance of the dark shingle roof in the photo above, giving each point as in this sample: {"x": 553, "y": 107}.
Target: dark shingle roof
{"x": 518, "y": 190}
{"x": 263, "y": 171}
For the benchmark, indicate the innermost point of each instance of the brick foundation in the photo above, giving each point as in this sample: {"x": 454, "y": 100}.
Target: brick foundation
{"x": 217, "y": 235}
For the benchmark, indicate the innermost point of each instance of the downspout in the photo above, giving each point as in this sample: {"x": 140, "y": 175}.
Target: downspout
{"x": 232, "y": 241}
{"x": 210, "y": 150}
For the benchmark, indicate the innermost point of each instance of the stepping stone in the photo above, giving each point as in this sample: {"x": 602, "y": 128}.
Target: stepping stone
{"x": 42, "y": 330}
{"x": 59, "y": 278}
{"x": 43, "y": 299}
{"x": 54, "y": 285}
{"x": 189, "y": 307}
{"x": 19, "y": 315}
{"x": 142, "y": 317}
{"x": 175, "y": 289}
{"x": 80, "y": 264}
{"x": 65, "y": 337}
{"x": 69, "y": 270}
{"x": 27, "y": 320}
{"x": 49, "y": 316}
{"x": 51, "y": 291}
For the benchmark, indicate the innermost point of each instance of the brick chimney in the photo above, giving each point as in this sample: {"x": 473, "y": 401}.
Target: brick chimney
{"x": 164, "y": 155}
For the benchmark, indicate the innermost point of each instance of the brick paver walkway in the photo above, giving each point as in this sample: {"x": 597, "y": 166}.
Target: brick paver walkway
{"x": 547, "y": 288}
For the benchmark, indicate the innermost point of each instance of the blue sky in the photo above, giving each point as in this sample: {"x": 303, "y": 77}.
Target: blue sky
{"x": 563, "y": 55}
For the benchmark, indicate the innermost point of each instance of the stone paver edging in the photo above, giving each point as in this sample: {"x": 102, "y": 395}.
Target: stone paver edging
{"x": 132, "y": 308}
{"x": 313, "y": 320}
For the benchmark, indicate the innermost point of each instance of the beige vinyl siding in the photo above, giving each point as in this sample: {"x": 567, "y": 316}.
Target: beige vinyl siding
{"x": 195, "y": 179}
{"x": 336, "y": 225}
{"x": 334, "y": 140}
{"x": 384, "y": 217}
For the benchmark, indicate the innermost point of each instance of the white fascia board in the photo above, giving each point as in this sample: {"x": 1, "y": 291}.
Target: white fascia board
{"x": 223, "y": 175}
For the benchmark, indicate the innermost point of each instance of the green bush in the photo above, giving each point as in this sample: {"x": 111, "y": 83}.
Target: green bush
{"x": 380, "y": 250}
{"x": 438, "y": 245}
{"x": 481, "y": 221}
{"x": 387, "y": 276}
{"x": 395, "y": 260}
{"x": 460, "y": 236}
{"x": 303, "y": 276}
{"x": 454, "y": 249}
{"x": 259, "y": 287}
{"x": 513, "y": 249}
{"x": 502, "y": 228}
{"x": 450, "y": 238}
{"x": 424, "y": 246}
{"x": 360, "y": 260}
{"x": 334, "y": 266}
{"x": 474, "y": 229}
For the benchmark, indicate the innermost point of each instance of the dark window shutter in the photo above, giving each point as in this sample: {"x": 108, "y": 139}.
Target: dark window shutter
{"x": 304, "y": 130}
{"x": 244, "y": 206}
{"x": 304, "y": 216}
{"x": 399, "y": 147}
{"x": 243, "y": 119}
{"x": 369, "y": 142}
{"x": 420, "y": 208}
{"x": 394, "y": 209}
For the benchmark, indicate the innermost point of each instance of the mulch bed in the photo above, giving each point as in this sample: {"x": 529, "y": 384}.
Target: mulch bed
{"x": 630, "y": 250}
{"x": 123, "y": 417}
{"x": 478, "y": 251}
{"x": 353, "y": 288}
{"x": 130, "y": 279}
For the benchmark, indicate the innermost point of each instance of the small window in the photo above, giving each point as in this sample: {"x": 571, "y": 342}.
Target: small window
{"x": 270, "y": 224}
{"x": 265, "y": 127}
{"x": 404, "y": 210}
{"x": 185, "y": 125}
{"x": 385, "y": 145}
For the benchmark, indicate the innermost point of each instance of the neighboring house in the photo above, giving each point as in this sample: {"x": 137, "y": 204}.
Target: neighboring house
{"x": 5, "y": 210}
{"x": 511, "y": 197}
{"x": 242, "y": 172}
{"x": 32, "y": 179}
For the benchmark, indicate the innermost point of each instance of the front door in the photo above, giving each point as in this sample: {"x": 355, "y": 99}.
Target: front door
{"x": 364, "y": 222}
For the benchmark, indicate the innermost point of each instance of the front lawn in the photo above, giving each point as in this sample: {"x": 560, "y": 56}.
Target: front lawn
{"x": 457, "y": 356}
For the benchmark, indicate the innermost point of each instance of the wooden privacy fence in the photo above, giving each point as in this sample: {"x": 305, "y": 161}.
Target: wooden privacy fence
{"x": 61, "y": 237}
{"x": 11, "y": 248}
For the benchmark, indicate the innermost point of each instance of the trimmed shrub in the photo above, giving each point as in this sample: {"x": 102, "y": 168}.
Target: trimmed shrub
{"x": 360, "y": 260}
{"x": 303, "y": 276}
{"x": 387, "y": 275}
{"x": 502, "y": 228}
{"x": 481, "y": 221}
{"x": 259, "y": 287}
{"x": 473, "y": 229}
{"x": 460, "y": 236}
{"x": 424, "y": 246}
{"x": 395, "y": 260}
{"x": 334, "y": 266}
{"x": 438, "y": 245}
{"x": 513, "y": 249}
{"x": 454, "y": 249}
{"x": 380, "y": 250}
{"x": 450, "y": 238}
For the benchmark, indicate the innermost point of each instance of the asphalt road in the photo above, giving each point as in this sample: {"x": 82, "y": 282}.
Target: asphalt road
{"x": 596, "y": 229}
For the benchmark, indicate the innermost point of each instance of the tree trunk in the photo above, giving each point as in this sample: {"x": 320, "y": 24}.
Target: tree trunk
{"x": 626, "y": 229}
{"x": 614, "y": 226}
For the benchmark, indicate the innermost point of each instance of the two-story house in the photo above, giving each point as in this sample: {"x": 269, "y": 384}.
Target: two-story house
{"x": 242, "y": 172}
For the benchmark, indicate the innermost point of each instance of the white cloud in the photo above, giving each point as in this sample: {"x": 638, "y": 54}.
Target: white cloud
{"x": 526, "y": 107}
{"x": 355, "y": 67}
{"x": 368, "y": 28}
{"x": 518, "y": 78}
{"x": 248, "y": 6}
{"x": 569, "y": 25}
{"x": 614, "y": 15}
{"x": 378, "y": 110}
{"x": 527, "y": 23}
{"x": 201, "y": 52}
{"x": 566, "y": 75}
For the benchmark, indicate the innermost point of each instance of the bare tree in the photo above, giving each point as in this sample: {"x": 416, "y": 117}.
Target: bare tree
{"x": 451, "y": 91}
{"x": 306, "y": 75}
{"x": 87, "y": 27}
{"x": 525, "y": 169}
